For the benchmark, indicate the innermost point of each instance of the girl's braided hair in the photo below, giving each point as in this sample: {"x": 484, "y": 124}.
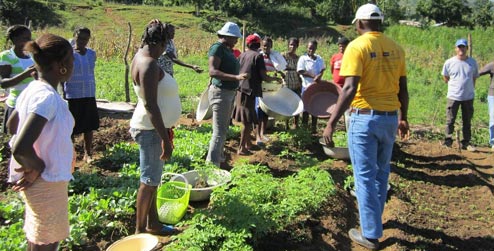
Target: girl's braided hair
{"x": 155, "y": 32}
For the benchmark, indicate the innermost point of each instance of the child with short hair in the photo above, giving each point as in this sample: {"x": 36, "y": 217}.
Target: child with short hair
{"x": 80, "y": 91}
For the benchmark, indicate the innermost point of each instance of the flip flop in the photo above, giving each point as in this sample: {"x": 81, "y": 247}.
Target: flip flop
{"x": 164, "y": 231}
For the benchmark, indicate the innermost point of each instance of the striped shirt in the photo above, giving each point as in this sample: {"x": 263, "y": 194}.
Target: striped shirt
{"x": 292, "y": 79}
{"x": 8, "y": 57}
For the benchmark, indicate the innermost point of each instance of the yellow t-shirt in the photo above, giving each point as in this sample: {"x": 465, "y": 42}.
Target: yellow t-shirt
{"x": 380, "y": 62}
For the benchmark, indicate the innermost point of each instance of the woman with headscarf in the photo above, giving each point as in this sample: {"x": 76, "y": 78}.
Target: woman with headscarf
{"x": 252, "y": 63}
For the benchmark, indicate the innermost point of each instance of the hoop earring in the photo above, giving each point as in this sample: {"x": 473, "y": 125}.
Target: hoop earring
{"x": 63, "y": 71}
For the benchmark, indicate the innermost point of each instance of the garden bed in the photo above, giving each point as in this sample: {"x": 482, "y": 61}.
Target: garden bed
{"x": 441, "y": 199}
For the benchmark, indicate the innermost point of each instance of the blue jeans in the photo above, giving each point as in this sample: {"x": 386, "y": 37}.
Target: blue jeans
{"x": 490, "y": 101}
{"x": 221, "y": 102}
{"x": 150, "y": 150}
{"x": 370, "y": 141}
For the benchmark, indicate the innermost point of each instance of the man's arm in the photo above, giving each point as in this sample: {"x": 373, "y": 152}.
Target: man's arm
{"x": 403, "y": 127}
{"x": 344, "y": 100}
{"x": 446, "y": 79}
{"x": 487, "y": 69}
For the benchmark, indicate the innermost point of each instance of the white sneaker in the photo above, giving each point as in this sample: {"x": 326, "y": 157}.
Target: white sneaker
{"x": 471, "y": 148}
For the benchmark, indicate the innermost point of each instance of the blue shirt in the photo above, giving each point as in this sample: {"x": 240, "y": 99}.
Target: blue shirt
{"x": 82, "y": 82}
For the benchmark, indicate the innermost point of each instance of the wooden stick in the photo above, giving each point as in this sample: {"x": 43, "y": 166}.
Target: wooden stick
{"x": 470, "y": 45}
{"x": 243, "y": 35}
{"x": 127, "y": 90}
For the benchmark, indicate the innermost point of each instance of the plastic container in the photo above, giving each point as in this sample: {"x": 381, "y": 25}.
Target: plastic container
{"x": 172, "y": 200}
{"x": 320, "y": 99}
{"x": 137, "y": 242}
{"x": 204, "y": 111}
{"x": 281, "y": 104}
{"x": 217, "y": 178}
{"x": 335, "y": 152}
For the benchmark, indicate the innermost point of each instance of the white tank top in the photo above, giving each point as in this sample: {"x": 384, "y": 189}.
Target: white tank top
{"x": 168, "y": 102}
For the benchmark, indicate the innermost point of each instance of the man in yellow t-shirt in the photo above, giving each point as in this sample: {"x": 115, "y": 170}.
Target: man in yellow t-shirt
{"x": 376, "y": 91}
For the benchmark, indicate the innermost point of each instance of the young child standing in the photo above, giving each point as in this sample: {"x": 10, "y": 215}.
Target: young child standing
{"x": 80, "y": 91}
{"x": 16, "y": 67}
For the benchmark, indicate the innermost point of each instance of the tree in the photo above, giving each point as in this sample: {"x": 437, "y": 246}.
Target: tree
{"x": 482, "y": 13}
{"x": 19, "y": 11}
{"x": 391, "y": 9}
{"x": 450, "y": 12}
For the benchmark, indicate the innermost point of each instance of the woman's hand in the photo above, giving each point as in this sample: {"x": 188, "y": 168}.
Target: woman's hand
{"x": 167, "y": 145}
{"x": 242, "y": 76}
{"x": 30, "y": 176}
{"x": 167, "y": 150}
{"x": 197, "y": 68}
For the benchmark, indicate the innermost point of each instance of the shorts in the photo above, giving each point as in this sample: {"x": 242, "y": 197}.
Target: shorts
{"x": 46, "y": 212}
{"x": 150, "y": 164}
{"x": 85, "y": 113}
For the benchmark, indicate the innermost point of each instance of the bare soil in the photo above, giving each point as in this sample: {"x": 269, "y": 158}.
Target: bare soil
{"x": 440, "y": 198}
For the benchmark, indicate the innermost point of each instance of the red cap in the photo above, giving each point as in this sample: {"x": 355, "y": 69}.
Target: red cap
{"x": 253, "y": 39}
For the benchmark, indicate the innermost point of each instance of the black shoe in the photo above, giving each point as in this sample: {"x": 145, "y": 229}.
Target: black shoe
{"x": 448, "y": 142}
{"x": 356, "y": 236}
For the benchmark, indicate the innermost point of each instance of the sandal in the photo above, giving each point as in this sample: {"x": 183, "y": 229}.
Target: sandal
{"x": 164, "y": 231}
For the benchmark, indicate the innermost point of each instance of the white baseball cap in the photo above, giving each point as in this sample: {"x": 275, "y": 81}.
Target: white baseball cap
{"x": 368, "y": 12}
{"x": 230, "y": 29}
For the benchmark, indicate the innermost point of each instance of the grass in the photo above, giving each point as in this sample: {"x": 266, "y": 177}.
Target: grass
{"x": 426, "y": 48}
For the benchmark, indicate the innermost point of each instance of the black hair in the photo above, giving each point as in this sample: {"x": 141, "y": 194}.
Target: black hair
{"x": 48, "y": 48}
{"x": 314, "y": 42}
{"x": 80, "y": 30}
{"x": 155, "y": 32}
{"x": 268, "y": 39}
{"x": 254, "y": 46}
{"x": 293, "y": 39}
{"x": 343, "y": 40}
{"x": 16, "y": 30}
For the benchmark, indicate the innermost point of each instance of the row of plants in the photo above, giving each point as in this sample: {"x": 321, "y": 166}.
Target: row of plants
{"x": 102, "y": 206}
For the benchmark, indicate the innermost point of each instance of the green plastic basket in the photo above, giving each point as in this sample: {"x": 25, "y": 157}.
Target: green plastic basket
{"x": 172, "y": 200}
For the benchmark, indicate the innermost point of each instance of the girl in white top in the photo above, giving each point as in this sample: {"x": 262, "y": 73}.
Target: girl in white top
{"x": 42, "y": 149}
{"x": 311, "y": 67}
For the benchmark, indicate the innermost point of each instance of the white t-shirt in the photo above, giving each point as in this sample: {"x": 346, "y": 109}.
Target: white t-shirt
{"x": 313, "y": 66}
{"x": 462, "y": 74}
{"x": 54, "y": 145}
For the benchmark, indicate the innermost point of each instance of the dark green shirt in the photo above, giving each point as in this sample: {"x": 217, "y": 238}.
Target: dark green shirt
{"x": 229, "y": 64}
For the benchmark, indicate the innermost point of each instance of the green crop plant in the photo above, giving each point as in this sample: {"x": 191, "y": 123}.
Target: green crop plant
{"x": 117, "y": 155}
{"x": 12, "y": 217}
{"x": 266, "y": 204}
{"x": 349, "y": 182}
